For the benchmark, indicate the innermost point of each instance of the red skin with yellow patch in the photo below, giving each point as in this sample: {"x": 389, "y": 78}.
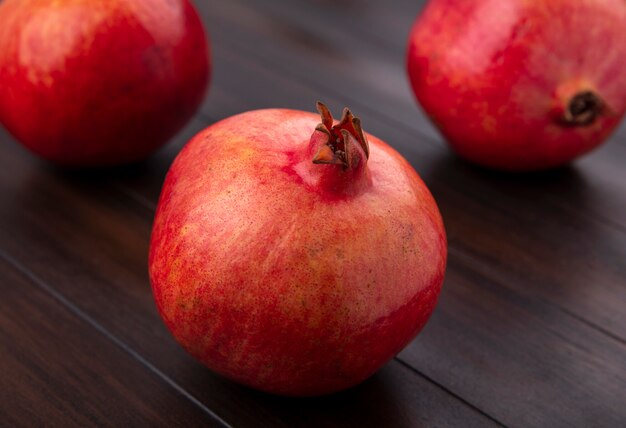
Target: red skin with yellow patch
{"x": 86, "y": 82}
{"x": 292, "y": 277}
{"x": 496, "y": 76}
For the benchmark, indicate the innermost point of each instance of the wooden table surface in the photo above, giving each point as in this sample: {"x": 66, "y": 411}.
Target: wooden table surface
{"x": 530, "y": 329}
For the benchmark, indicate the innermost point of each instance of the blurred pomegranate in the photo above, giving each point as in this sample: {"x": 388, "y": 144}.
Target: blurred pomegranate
{"x": 294, "y": 256}
{"x": 521, "y": 84}
{"x": 86, "y": 82}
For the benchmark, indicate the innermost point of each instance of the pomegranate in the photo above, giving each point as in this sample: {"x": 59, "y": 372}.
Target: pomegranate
{"x": 292, "y": 256}
{"x": 521, "y": 85}
{"x": 87, "y": 82}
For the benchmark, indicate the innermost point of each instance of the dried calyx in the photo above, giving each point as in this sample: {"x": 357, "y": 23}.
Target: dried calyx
{"x": 345, "y": 142}
{"x": 583, "y": 109}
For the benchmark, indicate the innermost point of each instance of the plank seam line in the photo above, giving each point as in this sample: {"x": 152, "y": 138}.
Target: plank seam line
{"x": 450, "y": 392}
{"x": 140, "y": 199}
{"x": 119, "y": 343}
{"x": 465, "y": 254}
{"x": 592, "y": 325}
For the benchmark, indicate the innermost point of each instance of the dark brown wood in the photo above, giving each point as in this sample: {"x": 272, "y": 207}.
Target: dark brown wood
{"x": 530, "y": 329}
{"x": 57, "y": 370}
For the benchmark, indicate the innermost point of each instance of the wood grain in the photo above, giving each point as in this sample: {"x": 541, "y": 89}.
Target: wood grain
{"x": 56, "y": 370}
{"x": 531, "y": 326}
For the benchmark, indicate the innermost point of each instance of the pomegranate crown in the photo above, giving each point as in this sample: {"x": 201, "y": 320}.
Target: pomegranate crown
{"x": 343, "y": 141}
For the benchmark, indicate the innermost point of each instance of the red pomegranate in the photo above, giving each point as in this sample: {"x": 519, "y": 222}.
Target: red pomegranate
{"x": 86, "y": 82}
{"x": 521, "y": 84}
{"x": 292, "y": 256}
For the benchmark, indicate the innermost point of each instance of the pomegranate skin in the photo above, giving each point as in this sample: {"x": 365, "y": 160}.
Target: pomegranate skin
{"x": 97, "y": 83}
{"x": 521, "y": 84}
{"x": 276, "y": 274}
